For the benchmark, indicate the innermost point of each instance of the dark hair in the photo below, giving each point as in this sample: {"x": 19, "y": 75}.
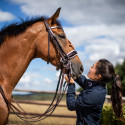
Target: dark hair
{"x": 107, "y": 72}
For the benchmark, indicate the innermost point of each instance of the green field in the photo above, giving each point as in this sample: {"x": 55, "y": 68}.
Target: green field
{"x": 46, "y": 98}
{"x": 107, "y": 118}
{"x": 14, "y": 120}
{"x": 37, "y": 96}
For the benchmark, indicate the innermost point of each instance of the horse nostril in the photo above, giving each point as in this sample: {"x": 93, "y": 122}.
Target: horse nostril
{"x": 81, "y": 69}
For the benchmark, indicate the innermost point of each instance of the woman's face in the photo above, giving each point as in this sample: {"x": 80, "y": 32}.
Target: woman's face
{"x": 92, "y": 73}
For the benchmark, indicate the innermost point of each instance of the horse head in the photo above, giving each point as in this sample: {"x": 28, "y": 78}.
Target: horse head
{"x": 53, "y": 31}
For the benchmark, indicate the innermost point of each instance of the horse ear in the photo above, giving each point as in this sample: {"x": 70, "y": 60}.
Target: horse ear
{"x": 54, "y": 17}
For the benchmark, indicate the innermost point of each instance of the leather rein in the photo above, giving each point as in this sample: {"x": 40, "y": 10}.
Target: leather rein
{"x": 61, "y": 86}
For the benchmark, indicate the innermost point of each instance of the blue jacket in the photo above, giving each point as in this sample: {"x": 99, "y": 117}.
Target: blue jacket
{"x": 89, "y": 103}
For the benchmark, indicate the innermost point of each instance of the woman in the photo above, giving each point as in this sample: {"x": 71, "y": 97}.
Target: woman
{"x": 89, "y": 102}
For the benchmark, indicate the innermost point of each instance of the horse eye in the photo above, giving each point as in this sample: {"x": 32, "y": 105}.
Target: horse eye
{"x": 62, "y": 36}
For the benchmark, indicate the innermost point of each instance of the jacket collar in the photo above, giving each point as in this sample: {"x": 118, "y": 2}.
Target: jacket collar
{"x": 95, "y": 83}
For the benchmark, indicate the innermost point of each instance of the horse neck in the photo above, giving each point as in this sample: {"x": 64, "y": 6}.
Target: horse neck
{"x": 15, "y": 55}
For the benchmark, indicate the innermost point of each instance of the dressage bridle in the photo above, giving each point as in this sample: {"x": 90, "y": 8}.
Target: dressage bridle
{"x": 61, "y": 86}
{"x": 65, "y": 58}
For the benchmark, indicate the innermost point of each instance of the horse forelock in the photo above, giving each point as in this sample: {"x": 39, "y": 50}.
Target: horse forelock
{"x": 17, "y": 28}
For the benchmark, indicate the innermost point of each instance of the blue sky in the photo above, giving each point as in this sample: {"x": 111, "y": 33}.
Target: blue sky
{"x": 96, "y": 29}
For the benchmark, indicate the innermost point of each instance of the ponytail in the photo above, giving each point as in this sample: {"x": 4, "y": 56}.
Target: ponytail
{"x": 107, "y": 72}
{"x": 116, "y": 96}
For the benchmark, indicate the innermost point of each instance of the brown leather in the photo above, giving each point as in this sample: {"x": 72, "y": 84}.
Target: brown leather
{"x": 60, "y": 91}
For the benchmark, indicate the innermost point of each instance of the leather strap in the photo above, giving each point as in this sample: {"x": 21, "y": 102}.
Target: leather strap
{"x": 60, "y": 91}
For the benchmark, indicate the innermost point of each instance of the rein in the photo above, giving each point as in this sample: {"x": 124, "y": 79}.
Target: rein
{"x": 60, "y": 91}
{"x": 61, "y": 86}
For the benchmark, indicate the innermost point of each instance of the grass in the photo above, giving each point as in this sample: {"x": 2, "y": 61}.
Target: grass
{"x": 37, "y": 96}
{"x": 106, "y": 119}
{"x": 14, "y": 120}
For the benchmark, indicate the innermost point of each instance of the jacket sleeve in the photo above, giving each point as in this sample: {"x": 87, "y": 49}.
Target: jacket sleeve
{"x": 83, "y": 101}
{"x": 70, "y": 97}
{"x": 81, "y": 81}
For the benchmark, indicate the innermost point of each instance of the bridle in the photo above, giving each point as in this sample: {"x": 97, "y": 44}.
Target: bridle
{"x": 65, "y": 58}
{"x": 61, "y": 86}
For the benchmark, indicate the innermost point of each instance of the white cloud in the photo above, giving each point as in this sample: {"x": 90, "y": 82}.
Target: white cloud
{"x": 5, "y": 16}
{"x": 77, "y": 13}
{"x": 57, "y": 74}
{"x": 26, "y": 78}
{"x": 98, "y": 41}
{"x": 29, "y": 79}
{"x": 47, "y": 81}
{"x": 38, "y": 7}
{"x": 36, "y": 81}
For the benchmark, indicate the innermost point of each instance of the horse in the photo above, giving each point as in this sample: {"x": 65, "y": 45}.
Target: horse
{"x": 22, "y": 42}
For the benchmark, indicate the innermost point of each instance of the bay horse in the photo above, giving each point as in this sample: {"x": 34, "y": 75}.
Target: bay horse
{"x": 20, "y": 44}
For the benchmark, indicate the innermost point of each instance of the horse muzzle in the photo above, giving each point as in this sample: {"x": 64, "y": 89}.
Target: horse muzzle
{"x": 76, "y": 70}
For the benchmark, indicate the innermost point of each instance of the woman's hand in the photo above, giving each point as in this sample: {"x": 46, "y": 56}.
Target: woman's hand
{"x": 71, "y": 80}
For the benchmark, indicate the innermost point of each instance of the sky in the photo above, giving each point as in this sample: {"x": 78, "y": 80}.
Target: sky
{"x": 95, "y": 27}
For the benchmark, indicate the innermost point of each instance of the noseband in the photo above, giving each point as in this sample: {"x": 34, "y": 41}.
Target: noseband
{"x": 65, "y": 58}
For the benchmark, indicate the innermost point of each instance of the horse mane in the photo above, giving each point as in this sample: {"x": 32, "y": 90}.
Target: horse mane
{"x": 17, "y": 28}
